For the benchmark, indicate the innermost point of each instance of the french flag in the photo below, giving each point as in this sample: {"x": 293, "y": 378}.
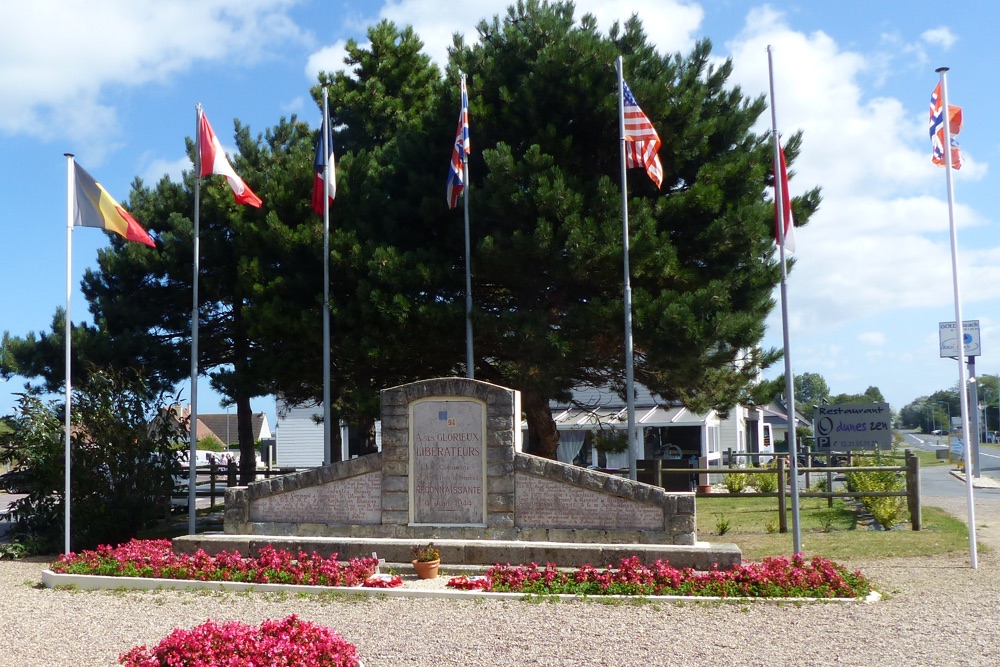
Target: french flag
{"x": 319, "y": 167}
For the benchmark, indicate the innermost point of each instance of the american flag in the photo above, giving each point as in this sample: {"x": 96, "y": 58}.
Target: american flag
{"x": 936, "y": 129}
{"x": 456, "y": 175}
{"x": 642, "y": 144}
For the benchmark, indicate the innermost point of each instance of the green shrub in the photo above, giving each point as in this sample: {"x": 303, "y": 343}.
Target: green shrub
{"x": 210, "y": 443}
{"x": 736, "y": 482}
{"x": 887, "y": 510}
{"x": 765, "y": 482}
{"x": 122, "y": 465}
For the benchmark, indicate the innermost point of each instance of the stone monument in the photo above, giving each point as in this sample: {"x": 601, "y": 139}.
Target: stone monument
{"x": 451, "y": 469}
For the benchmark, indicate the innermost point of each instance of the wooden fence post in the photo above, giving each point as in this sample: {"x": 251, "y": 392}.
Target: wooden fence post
{"x": 782, "y": 513}
{"x": 213, "y": 469}
{"x": 913, "y": 489}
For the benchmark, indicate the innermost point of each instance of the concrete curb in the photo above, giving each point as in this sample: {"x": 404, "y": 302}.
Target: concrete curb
{"x": 95, "y": 583}
{"x": 982, "y": 482}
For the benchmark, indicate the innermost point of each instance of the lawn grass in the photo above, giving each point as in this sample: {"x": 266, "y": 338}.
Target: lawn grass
{"x": 833, "y": 533}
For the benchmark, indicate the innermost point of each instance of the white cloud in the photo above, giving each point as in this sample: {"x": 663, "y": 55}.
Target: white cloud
{"x": 327, "y": 59}
{"x": 872, "y": 338}
{"x": 59, "y": 60}
{"x": 941, "y": 36}
{"x": 158, "y": 168}
{"x": 669, "y": 24}
{"x": 878, "y": 238}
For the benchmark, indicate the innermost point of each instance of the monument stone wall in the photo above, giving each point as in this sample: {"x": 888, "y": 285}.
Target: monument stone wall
{"x": 451, "y": 467}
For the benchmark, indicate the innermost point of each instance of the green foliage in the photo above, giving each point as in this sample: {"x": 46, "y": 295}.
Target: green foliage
{"x": 889, "y": 510}
{"x": 121, "y": 466}
{"x": 611, "y": 441}
{"x": 764, "y": 482}
{"x": 737, "y": 482}
{"x": 14, "y": 549}
{"x": 210, "y": 443}
{"x": 810, "y": 389}
{"x": 722, "y": 524}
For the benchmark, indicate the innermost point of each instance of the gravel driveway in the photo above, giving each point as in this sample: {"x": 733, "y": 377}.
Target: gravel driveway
{"x": 937, "y": 611}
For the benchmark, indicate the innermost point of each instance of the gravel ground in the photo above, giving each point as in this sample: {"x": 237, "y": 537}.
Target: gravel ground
{"x": 937, "y": 611}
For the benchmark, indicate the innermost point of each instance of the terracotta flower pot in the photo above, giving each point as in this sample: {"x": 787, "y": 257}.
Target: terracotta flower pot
{"x": 426, "y": 569}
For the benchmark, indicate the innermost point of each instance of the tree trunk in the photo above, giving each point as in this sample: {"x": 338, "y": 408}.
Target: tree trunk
{"x": 244, "y": 430}
{"x": 543, "y": 438}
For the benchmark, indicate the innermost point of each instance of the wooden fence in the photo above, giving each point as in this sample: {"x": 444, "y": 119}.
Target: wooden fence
{"x": 219, "y": 478}
{"x": 910, "y": 468}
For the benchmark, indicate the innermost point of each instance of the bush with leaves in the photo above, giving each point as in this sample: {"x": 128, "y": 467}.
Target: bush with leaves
{"x": 887, "y": 510}
{"x": 737, "y": 482}
{"x": 121, "y": 463}
{"x": 765, "y": 482}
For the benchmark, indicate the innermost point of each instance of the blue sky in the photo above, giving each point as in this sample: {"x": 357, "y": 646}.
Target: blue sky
{"x": 116, "y": 83}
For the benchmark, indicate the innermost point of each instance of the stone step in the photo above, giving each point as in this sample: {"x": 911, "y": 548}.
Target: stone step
{"x": 700, "y": 556}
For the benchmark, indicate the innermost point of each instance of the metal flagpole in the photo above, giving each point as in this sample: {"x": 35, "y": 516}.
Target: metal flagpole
{"x": 70, "y": 200}
{"x": 779, "y": 200}
{"x": 470, "y": 366}
{"x": 327, "y": 426}
{"x": 629, "y": 367}
{"x": 962, "y": 395}
{"x": 192, "y": 450}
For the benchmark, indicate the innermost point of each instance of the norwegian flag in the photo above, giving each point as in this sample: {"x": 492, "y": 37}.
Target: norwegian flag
{"x": 936, "y": 129}
{"x": 642, "y": 144}
{"x": 460, "y": 152}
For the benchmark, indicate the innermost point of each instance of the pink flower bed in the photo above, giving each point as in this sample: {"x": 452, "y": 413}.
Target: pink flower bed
{"x": 286, "y": 642}
{"x": 156, "y": 559}
{"x": 793, "y": 577}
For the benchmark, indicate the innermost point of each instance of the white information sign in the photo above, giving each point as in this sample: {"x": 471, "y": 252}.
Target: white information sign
{"x": 948, "y": 336}
{"x": 853, "y": 426}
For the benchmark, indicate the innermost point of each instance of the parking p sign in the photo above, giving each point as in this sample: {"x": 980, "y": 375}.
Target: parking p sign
{"x": 853, "y": 426}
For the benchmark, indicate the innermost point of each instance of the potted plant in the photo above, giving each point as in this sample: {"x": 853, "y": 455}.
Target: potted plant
{"x": 426, "y": 560}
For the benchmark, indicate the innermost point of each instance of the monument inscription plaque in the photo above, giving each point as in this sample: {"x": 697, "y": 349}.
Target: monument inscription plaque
{"x": 448, "y": 462}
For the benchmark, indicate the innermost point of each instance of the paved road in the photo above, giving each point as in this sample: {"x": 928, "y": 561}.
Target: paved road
{"x": 940, "y": 480}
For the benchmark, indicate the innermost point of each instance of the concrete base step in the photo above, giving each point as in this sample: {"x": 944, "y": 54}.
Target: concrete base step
{"x": 700, "y": 556}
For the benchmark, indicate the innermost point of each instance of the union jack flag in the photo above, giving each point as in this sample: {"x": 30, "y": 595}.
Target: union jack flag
{"x": 642, "y": 144}
{"x": 460, "y": 152}
{"x": 936, "y": 129}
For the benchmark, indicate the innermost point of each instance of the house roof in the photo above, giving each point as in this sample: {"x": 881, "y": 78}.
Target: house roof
{"x": 224, "y": 427}
{"x": 595, "y": 406}
{"x": 777, "y": 413}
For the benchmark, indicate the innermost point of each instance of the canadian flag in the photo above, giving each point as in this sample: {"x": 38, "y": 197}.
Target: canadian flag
{"x": 786, "y": 209}
{"x": 214, "y": 161}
